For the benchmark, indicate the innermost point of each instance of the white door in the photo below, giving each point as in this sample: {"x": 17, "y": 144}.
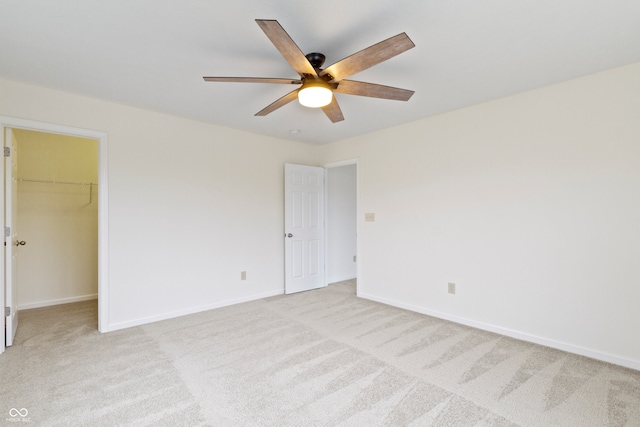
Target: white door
{"x": 304, "y": 228}
{"x": 11, "y": 242}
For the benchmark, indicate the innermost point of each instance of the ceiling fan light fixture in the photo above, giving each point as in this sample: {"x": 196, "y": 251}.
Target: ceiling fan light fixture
{"x": 318, "y": 84}
{"x": 315, "y": 95}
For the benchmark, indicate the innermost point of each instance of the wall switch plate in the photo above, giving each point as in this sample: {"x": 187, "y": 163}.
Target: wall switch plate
{"x": 452, "y": 288}
{"x": 370, "y": 217}
{"x": 243, "y": 275}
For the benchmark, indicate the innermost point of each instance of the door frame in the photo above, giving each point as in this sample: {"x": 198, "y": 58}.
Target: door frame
{"x": 103, "y": 206}
{"x": 332, "y": 165}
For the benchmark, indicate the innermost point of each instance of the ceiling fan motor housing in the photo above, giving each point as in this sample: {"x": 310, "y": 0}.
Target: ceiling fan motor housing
{"x": 316, "y": 59}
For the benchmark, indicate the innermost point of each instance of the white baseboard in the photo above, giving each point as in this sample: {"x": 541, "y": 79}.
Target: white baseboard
{"x": 193, "y": 310}
{"x": 570, "y": 348}
{"x": 59, "y": 301}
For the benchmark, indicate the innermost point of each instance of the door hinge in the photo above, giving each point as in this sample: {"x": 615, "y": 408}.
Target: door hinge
{"x": 7, "y": 311}
{"x": 7, "y": 231}
{"x": 7, "y": 151}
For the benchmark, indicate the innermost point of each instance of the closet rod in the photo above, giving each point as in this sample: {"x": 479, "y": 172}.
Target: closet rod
{"x": 45, "y": 181}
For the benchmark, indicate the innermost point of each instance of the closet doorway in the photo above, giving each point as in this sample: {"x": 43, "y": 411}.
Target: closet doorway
{"x": 98, "y": 198}
{"x": 58, "y": 218}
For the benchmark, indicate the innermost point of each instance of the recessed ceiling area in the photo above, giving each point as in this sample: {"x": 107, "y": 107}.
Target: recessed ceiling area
{"x": 153, "y": 55}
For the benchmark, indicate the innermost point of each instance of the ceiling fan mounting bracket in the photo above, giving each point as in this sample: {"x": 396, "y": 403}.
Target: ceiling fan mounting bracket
{"x": 324, "y": 80}
{"x": 318, "y": 81}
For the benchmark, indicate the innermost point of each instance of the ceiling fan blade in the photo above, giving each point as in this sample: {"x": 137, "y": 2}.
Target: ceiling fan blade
{"x": 368, "y": 57}
{"x": 279, "y": 103}
{"x": 287, "y": 47}
{"x": 373, "y": 90}
{"x": 333, "y": 111}
{"x": 253, "y": 80}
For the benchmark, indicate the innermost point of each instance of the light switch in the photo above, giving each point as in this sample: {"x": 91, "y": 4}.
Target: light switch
{"x": 370, "y": 217}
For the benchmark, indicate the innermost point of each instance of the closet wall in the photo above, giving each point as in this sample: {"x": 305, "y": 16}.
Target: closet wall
{"x": 57, "y": 217}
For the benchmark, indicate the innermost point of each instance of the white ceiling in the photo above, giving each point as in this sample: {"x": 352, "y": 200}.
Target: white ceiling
{"x": 153, "y": 54}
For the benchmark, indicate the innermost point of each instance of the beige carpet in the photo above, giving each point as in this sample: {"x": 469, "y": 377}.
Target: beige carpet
{"x": 319, "y": 358}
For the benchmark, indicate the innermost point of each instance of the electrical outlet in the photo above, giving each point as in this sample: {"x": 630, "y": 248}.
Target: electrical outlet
{"x": 243, "y": 275}
{"x": 452, "y": 288}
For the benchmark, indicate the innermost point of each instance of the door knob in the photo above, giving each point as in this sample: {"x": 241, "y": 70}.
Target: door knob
{"x": 289, "y": 235}
{"x": 20, "y": 243}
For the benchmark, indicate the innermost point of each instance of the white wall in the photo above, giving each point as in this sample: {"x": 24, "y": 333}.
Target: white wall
{"x": 341, "y": 223}
{"x": 59, "y": 222}
{"x": 530, "y": 204}
{"x": 190, "y": 204}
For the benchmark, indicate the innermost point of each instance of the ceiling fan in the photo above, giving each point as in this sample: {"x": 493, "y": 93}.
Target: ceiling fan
{"x": 317, "y": 84}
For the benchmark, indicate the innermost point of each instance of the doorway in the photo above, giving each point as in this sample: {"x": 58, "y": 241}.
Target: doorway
{"x": 96, "y": 198}
{"x": 58, "y": 218}
{"x": 335, "y": 209}
{"x": 342, "y": 224}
